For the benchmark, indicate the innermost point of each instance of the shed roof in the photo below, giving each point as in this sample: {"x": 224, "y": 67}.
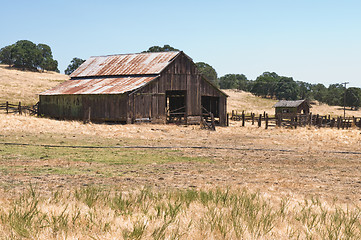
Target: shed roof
{"x": 108, "y": 85}
{"x": 285, "y": 103}
{"x": 125, "y": 64}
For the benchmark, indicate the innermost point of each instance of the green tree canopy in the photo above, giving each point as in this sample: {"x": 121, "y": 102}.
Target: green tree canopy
{"x": 353, "y": 97}
{"x": 6, "y": 55}
{"x": 287, "y": 89}
{"x": 74, "y": 64}
{"x": 318, "y": 92}
{"x": 47, "y": 62}
{"x": 334, "y": 95}
{"x": 165, "y": 48}
{"x": 265, "y": 84}
{"x": 27, "y": 55}
{"x": 208, "y": 72}
{"x": 234, "y": 81}
{"x": 305, "y": 90}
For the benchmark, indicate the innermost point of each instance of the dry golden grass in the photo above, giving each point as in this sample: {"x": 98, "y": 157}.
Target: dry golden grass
{"x": 239, "y": 100}
{"x": 94, "y": 213}
{"x": 24, "y": 86}
{"x": 293, "y": 164}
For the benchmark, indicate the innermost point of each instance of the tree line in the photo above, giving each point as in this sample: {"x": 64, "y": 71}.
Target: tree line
{"x": 271, "y": 85}
{"x": 25, "y": 54}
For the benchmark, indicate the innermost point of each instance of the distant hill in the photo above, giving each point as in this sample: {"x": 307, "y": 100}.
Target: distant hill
{"x": 24, "y": 86}
{"x": 16, "y": 85}
{"x": 239, "y": 100}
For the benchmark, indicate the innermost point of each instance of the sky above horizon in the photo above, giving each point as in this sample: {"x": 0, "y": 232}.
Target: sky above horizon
{"x": 316, "y": 41}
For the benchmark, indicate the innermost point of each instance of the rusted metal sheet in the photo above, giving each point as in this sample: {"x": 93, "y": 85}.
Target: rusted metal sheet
{"x": 125, "y": 64}
{"x": 285, "y": 103}
{"x": 99, "y": 86}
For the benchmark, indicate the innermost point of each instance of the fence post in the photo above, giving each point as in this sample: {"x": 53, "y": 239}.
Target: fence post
{"x": 279, "y": 120}
{"x": 266, "y": 121}
{"x": 7, "y": 107}
{"x": 243, "y": 118}
{"x": 252, "y": 115}
{"x": 232, "y": 114}
{"x": 264, "y": 115}
{"x": 19, "y": 108}
{"x": 295, "y": 124}
{"x": 260, "y": 120}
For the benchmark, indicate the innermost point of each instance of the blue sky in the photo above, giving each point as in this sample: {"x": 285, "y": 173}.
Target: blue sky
{"x": 315, "y": 41}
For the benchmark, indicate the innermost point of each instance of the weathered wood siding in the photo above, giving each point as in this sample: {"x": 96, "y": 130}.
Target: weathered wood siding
{"x": 182, "y": 74}
{"x": 103, "y": 107}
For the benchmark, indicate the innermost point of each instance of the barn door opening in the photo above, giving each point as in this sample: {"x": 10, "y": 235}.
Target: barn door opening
{"x": 210, "y": 105}
{"x": 176, "y": 106}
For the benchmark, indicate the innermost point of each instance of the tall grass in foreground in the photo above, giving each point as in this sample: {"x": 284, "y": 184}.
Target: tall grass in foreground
{"x": 93, "y": 213}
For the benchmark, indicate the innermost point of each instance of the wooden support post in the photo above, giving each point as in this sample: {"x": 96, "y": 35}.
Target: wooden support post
{"x": 252, "y": 115}
{"x": 243, "y": 119}
{"x": 310, "y": 120}
{"x": 7, "y": 107}
{"x": 19, "y": 108}
{"x": 338, "y": 122}
{"x": 296, "y": 120}
{"x": 38, "y": 109}
{"x": 266, "y": 121}
{"x": 264, "y": 115}
{"x": 232, "y": 114}
{"x": 260, "y": 120}
{"x": 227, "y": 123}
{"x": 213, "y": 122}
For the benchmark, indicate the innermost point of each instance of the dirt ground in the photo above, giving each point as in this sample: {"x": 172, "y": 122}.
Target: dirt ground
{"x": 279, "y": 162}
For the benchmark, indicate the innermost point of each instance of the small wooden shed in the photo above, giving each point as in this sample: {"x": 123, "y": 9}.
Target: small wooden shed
{"x": 292, "y": 108}
{"x": 154, "y": 87}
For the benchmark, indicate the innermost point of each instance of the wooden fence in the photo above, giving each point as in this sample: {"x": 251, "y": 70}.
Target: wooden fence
{"x": 19, "y": 108}
{"x": 294, "y": 121}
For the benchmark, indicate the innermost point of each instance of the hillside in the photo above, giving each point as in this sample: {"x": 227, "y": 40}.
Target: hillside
{"x": 24, "y": 86}
{"x": 16, "y": 85}
{"x": 240, "y": 100}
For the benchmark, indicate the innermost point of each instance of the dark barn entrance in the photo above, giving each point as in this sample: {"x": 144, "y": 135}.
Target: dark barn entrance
{"x": 176, "y": 106}
{"x": 210, "y": 105}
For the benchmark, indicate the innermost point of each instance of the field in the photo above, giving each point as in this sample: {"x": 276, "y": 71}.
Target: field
{"x": 24, "y": 86}
{"x": 69, "y": 180}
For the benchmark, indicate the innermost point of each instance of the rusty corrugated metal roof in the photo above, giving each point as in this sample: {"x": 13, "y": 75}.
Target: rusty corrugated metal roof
{"x": 286, "y": 103}
{"x": 99, "y": 85}
{"x": 125, "y": 64}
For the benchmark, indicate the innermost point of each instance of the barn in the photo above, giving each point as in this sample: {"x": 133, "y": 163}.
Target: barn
{"x": 159, "y": 87}
{"x": 292, "y": 108}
